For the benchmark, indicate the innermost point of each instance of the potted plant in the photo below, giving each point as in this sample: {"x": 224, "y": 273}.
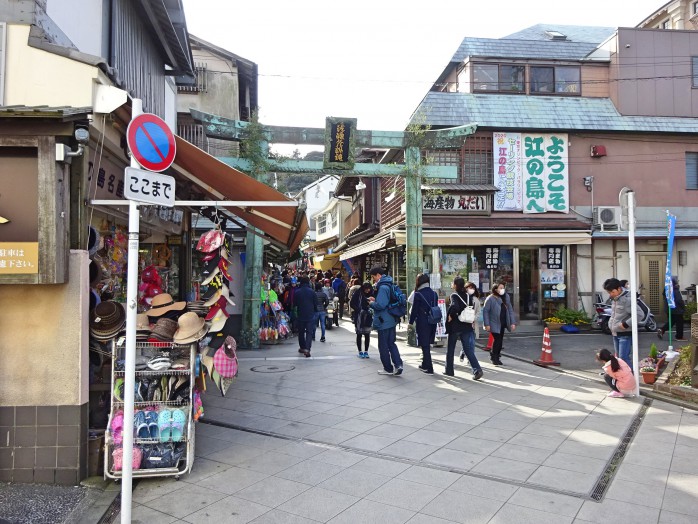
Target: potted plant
{"x": 569, "y": 320}
{"x": 652, "y": 365}
{"x": 649, "y": 373}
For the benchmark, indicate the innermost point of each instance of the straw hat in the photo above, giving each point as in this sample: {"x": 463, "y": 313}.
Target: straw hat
{"x": 191, "y": 328}
{"x": 163, "y": 303}
{"x": 107, "y": 319}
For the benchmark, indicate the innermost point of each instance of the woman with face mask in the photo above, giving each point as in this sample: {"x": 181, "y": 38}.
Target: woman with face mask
{"x": 497, "y": 316}
{"x": 465, "y": 296}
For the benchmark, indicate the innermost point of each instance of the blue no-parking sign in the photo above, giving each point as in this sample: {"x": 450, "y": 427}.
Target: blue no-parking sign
{"x": 151, "y": 142}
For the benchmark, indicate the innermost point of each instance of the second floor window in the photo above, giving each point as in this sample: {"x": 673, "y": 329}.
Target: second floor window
{"x": 322, "y": 224}
{"x": 496, "y": 77}
{"x": 691, "y": 170}
{"x": 558, "y": 79}
{"x": 694, "y": 70}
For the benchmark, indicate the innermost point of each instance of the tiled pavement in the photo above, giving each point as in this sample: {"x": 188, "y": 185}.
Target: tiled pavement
{"x": 332, "y": 441}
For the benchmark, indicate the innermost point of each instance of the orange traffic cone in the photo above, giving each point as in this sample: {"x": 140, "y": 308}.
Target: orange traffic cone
{"x": 489, "y": 343}
{"x": 546, "y": 353}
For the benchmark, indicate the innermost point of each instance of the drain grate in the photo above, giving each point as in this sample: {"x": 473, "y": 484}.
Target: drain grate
{"x": 272, "y": 369}
{"x": 605, "y": 479}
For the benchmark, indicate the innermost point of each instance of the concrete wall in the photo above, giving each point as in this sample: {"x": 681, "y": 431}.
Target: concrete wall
{"x": 222, "y": 95}
{"x": 33, "y": 76}
{"x": 43, "y": 348}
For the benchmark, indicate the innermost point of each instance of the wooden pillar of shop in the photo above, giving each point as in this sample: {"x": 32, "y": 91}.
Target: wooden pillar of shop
{"x": 413, "y": 225}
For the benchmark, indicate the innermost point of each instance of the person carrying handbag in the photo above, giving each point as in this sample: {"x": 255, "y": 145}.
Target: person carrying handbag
{"x": 498, "y": 316}
{"x": 460, "y": 324}
{"x": 422, "y": 315}
{"x": 362, "y": 317}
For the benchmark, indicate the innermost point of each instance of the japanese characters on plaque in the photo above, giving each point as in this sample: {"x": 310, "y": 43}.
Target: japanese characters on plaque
{"x": 531, "y": 172}
{"x": 339, "y": 152}
{"x": 491, "y": 257}
{"x": 448, "y": 202}
{"x": 19, "y": 258}
{"x": 554, "y": 257}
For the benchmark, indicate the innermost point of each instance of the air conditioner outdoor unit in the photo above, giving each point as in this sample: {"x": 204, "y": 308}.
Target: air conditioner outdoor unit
{"x": 608, "y": 217}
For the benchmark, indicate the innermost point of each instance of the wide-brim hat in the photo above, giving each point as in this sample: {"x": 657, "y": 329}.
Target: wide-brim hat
{"x": 210, "y": 241}
{"x": 227, "y": 331}
{"x": 191, "y": 328}
{"x": 163, "y": 303}
{"x": 222, "y": 292}
{"x": 218, "y": 321}
{"x": 164, "y": 329}
{"x": 107, "y": 319}
{"x": 226, "y": 365}
{"x": 220, "y": 304}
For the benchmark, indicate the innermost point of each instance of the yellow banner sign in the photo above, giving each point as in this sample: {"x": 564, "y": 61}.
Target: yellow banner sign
{"x": 19, "y": 258}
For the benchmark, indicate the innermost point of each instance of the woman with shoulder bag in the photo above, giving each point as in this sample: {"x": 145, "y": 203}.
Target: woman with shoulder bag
{"x": 498, "y": 316}
{"x": 422, "y": 314}
{"x": 362, "y": 317}
{"x": 460, "y": 324}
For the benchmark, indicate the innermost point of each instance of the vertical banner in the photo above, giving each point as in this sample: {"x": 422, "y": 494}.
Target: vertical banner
{"x": 507, "y": 172}
{"x": 668, "y": 287}
{"x": 545, "y": 173}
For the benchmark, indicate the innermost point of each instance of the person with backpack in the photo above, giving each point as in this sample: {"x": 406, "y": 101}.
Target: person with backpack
{"x": 497, "y": 317}
{"x": 304, "y": 300}
{"x": 426, "y": 314}
{"x": 388, "y": 299}
{"x": 460, "y": 324}
{"x": 362, "y": 317}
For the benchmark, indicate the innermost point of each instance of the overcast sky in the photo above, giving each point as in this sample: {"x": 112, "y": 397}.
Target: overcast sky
{"x": 371, "y": 60}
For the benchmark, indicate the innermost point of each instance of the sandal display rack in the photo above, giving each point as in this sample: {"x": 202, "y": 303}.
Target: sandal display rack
{"x": 146, "y": 440}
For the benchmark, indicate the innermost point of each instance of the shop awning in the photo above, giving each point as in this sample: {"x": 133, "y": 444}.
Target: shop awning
{"x": 286, "y": 225}
{"x": 325, "y": 262}
{"x": 460, "y": 237}
{"x": 368, "y": 247}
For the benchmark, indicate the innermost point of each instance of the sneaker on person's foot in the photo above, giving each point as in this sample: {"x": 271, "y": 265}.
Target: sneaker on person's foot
{"x": 462, "y": 356}
{"x": 384, "y": 372}
{"x": 426, "y": 371}
{"x": 360, "y": 354}
{"x": 307, "y": 354}
{"x": 660, "y": 334}
{"x": 477, "y": 375}
{"x": 366, "y": 354}
{"x": 322, "y": 339}
{"x": 301, "y": 350}
{"x": 615, "y": 394}
{"x": 398, "y": 371}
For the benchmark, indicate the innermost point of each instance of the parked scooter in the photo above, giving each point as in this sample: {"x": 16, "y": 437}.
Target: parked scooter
{"x": 603, "y": 315}
{"x": 332, "y": 313}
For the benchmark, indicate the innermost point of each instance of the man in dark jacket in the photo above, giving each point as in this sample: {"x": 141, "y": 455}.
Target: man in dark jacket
{"x": 304, "y": 299}
{"x": 340, "y": 290}
{"x": 384, "y": 323}
{"x": 676, "y": 312}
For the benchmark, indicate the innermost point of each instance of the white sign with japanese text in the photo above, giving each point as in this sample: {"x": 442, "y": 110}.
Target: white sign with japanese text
{"x": 150, "y": 187}
{"x": 545, "y": 173}
{"x": 507, "y": 171}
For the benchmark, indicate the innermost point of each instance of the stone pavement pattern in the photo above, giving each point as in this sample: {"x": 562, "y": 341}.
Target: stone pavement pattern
{"x": 332, "y": 441}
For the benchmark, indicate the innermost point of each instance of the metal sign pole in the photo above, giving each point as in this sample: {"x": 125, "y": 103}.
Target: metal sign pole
{"x": 130, "y": 364}
{"x": 633, "y": 284}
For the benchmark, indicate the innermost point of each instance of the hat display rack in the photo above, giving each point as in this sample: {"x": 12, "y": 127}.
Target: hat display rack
{"x": 274, "y": 323}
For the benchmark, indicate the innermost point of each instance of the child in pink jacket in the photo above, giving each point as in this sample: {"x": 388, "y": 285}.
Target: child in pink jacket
{"x": 617, "y": 375}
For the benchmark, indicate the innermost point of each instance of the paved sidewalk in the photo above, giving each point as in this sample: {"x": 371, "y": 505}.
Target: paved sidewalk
{"x": 326, "y": 439}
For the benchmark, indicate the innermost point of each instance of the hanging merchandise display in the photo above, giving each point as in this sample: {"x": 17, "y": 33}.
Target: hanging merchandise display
{"x": 274, "y": 323}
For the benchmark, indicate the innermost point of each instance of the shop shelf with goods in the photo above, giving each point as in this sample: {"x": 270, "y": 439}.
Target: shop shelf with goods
{"x": 163, "y": 425}
{"x": 274, "y": 323}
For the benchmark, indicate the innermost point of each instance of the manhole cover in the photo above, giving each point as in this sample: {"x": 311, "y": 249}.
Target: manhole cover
{"x": 272, "y": 369}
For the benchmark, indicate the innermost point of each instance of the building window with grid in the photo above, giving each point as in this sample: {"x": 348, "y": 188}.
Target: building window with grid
{"x": 477, "y": 167}
{"x": 322, "y": 224}
{"x": 502, "y": 78}
{"x": 443, "y": 157}
{"x": 565, "y": 80}
{"x": 691, "y": 170}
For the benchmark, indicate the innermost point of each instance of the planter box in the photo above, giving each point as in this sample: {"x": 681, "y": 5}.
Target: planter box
{"x": 554, "y": 325}
{"x": 650, "y": 377}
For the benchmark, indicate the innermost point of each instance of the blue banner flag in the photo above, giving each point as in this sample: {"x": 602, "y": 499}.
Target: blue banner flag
{"x": 668, "y": 287}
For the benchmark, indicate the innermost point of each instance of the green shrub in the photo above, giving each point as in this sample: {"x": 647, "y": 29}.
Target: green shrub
{"x": 653, "y": 350}
{"x": 572, "y": 316}
{"x": 689, "y": 310}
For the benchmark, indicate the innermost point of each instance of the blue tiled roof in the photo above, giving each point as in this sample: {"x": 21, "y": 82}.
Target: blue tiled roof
{"x": 510, "y": 48}
{"x": 574, "y": 33}
{"x": 541, "y": 113}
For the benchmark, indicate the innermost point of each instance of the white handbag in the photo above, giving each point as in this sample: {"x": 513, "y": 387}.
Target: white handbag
{"x": 468, "y": 314}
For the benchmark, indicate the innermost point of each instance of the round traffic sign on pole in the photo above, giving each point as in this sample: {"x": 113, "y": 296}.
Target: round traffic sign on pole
{"x": 151, "y": 142}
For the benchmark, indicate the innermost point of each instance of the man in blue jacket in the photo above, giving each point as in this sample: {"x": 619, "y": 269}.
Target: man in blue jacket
{"x": 304, "y": 299}
{"x": 384, "y": 323}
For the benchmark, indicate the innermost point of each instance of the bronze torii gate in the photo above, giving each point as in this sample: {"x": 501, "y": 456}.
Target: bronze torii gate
{"x": 227, "y": 129}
